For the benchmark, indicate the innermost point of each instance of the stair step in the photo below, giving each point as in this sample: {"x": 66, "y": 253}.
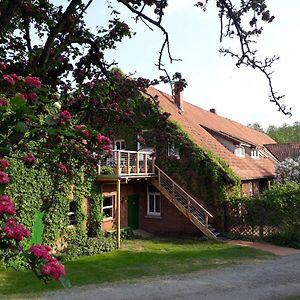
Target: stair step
{"x": 184, "y": 200}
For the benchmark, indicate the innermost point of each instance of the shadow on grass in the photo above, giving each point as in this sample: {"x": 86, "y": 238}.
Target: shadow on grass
{"x": 156, "y": 258}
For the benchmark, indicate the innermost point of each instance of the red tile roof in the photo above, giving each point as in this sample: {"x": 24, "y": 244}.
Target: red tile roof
{"x": 193, "y": 120}
{"x": 284, "y": 150}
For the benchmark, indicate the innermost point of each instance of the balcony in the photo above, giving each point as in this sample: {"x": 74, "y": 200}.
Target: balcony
{"x": 127, "y": 164}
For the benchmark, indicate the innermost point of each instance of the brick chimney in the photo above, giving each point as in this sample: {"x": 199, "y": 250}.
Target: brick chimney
{"x": 213, "y": 110}
{"x": 178, "y": 99}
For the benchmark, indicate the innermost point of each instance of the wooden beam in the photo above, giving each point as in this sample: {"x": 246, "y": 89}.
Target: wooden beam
{"x": 118, "y": 213}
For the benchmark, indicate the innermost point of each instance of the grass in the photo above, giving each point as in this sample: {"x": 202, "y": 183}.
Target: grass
{"x": 137, "y": 259}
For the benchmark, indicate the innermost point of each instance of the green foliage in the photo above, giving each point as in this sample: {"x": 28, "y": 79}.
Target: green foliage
{"x": 283, "y": 201}
{"x": 277, "y": 208}
{"x": 95, "y": 216}
{"x": 55, "y": 218}
{"x": 125, "y": 234}
{"x": 79, "y": 246}
{"x": 30, "y": 188}
{"x": 285, "y": 133}
{"x": 256, "y": 126}
{"x": 285, "y": 239}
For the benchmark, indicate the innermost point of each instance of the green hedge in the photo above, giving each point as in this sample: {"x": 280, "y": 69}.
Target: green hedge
{"x": 277, "y": 209}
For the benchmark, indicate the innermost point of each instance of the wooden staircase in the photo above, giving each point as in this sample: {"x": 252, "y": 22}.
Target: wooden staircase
{"x": 185, "y": 203}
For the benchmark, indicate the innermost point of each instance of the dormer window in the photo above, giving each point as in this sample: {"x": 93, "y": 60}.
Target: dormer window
{"x": 255, "y": 153}
{"x": 239, "y": 151}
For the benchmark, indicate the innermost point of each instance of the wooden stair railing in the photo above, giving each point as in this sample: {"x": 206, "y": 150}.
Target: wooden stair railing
{"x": 185, "y": 203}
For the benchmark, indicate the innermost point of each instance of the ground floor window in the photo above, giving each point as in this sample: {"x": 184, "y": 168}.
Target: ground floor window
{"x": 154, "y": 203}
{"x": 71, "y": 213}
{"x": 108, "y": 207}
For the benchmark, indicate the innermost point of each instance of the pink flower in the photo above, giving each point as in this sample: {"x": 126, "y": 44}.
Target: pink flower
{"x": 141, "y": 140}
{"x": 54, "y": 268}
{"x": 15, "y": 231}
{"x": 41, "y": 251}
{"x": 2, "y": 66}
{"x": 79, "y": 127}
{"x": 7, "y": 206}
{"x": 3, "y": 102}
{"x": 4, "y": 163}
{"x": 63, "y": 168}
{"x": 34, "y": 81}
{"x": 85, "y": 133}
{"x": 15, "y": 77}
{"x": 4, "y": 179}
{"x": 29, "y": 159}
{"x": 101, "y": 139}
{"x": 9, "y": 79}
{"x": 65, "y": 115}
{"x": 31, "y": 97}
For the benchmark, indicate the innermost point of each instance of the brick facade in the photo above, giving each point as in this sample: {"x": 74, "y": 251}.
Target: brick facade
{"x": 170, "y": 222}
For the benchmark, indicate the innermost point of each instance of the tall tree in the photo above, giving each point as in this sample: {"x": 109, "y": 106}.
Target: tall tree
{"x": 67, "y": 47}
{"x": 285, "y": 133}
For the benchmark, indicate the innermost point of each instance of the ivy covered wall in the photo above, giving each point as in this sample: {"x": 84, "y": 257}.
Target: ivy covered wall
{"x": 34, "y": 191}
{"x": 200, "y": 172}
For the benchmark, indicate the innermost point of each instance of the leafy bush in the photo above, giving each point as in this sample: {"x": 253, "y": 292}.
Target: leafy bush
{"x": 88, "y": 246}
{"x": 287, "y": 239}
{"x": 277, "y": 208}
{"x": 125, "y": 234}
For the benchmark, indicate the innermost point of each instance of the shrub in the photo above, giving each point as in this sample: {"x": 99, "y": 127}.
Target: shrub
{"x": 88, "y": 246}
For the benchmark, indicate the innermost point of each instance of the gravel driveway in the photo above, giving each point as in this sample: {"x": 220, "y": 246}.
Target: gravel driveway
{"x": 273, "y": 279}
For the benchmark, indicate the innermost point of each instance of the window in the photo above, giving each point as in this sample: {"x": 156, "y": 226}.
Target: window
{"x": 108, "y": 207}
{"x": 255, "y": 153}
{"x": 173, "y": 150}
{"x": 119, "y": 145}
{"x": 153, "y": 199}
{"x": 71, "y": 213}
{"x": 239, "y": 151}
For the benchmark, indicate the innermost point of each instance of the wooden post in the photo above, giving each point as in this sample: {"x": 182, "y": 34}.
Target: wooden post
{"x": 137, "y": 164}
{"x": 153, "y": 165}
{"x": 158, "y": 178}
{"x": 118, "y": 214}
{"x": 145, "y": 163}
{"x": 173, "y": 191}
{"x": 118, "y": 162}
{"x": 206, "y": 220}
{"x": 128, "y": 163}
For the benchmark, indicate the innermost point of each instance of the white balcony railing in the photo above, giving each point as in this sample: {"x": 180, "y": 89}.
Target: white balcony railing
{"x": 123, "y": 163}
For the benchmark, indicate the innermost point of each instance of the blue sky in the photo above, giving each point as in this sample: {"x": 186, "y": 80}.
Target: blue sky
{"x": 213, "y": 80}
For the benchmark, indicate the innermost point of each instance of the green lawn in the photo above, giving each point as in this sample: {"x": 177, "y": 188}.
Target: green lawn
{"x": 137, "y": 259}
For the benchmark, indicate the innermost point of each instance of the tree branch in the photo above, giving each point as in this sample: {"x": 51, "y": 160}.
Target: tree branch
{"x": 55, "y": 31}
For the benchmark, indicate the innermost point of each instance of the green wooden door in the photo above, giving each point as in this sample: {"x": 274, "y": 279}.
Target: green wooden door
{"x": 37, "y": 230}
{"x": 133, "y": 211}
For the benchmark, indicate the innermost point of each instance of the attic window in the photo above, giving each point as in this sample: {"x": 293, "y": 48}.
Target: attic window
{"x": 255, "y": 153}
{"x": 239, "y": 151}
{"x": 173, "y": 150}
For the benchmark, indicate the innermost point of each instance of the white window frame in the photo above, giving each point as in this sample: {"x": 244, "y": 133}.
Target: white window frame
{"x": 155, "y": 195}
{"x": 240, "y": 151}
{"x": 173, "y": 150}
{"x": 111, "y": 206}
{"x": 121, "y": 143}
{"x": 255, "y": 153}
